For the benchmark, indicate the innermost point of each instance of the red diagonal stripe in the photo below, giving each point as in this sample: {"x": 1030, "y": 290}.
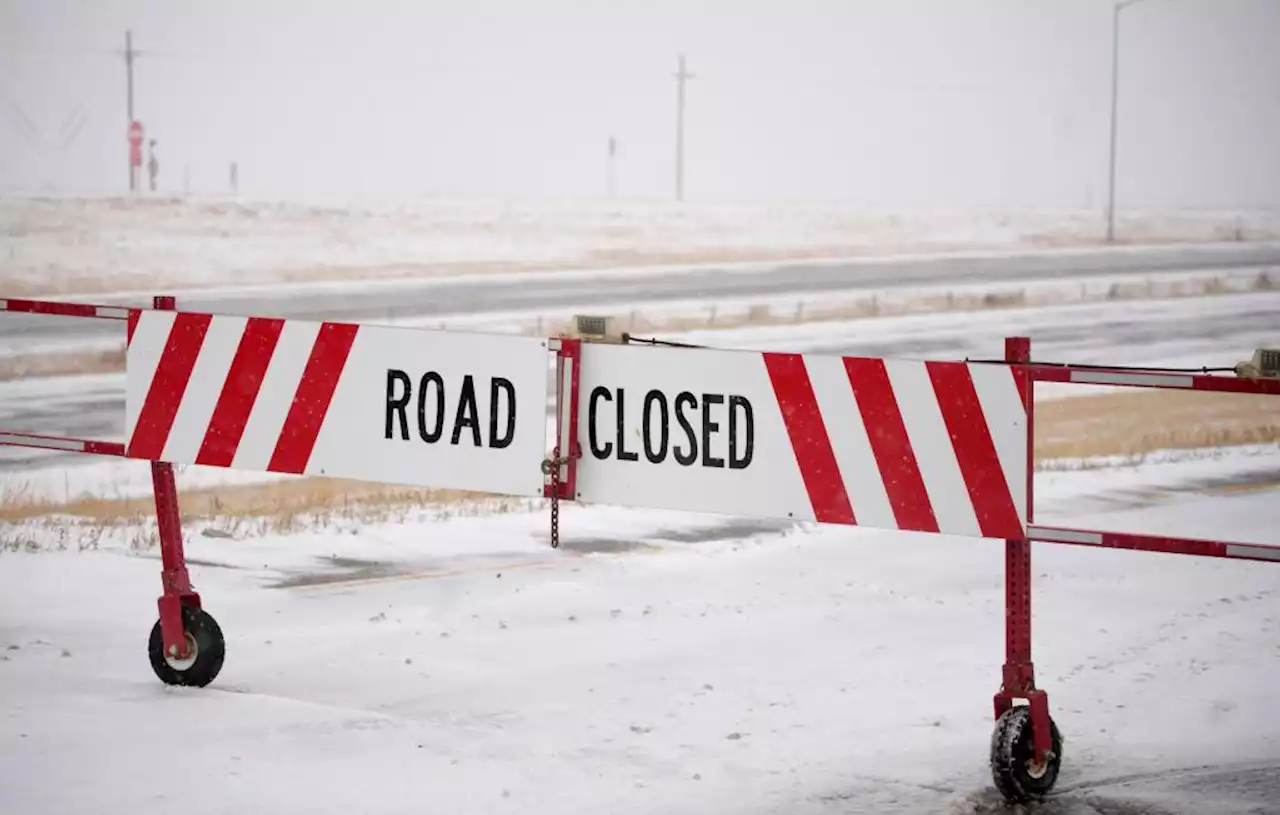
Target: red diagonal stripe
{"x": 131, "y": 326}
{"x": 892, "y": 446}
{"x": 975, "y": 451}
{"x": 239, "y": 392}
{"x": 311, "y": 401}
{"x": 809, "y": 438}
{"x": 1022, "y": 378}
{"x": 155, "y": 420}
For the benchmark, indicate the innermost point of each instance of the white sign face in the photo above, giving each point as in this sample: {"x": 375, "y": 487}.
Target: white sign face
{"x": 927, "y": 446}
{"x": 684, "y": 429}
{"x": 395, "y": 405}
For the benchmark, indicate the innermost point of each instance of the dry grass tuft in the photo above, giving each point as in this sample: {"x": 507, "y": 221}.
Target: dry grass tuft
{"x": 276, "y": 507}
{"x": 1132, "y": 423}
{"x": 1129, "y": 423}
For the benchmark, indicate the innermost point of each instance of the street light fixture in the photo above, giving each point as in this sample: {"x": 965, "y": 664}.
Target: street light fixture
{"x": 1120, "y": 6}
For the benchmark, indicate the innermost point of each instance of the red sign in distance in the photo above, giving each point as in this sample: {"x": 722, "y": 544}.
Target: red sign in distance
{"x": 135, "y": 143}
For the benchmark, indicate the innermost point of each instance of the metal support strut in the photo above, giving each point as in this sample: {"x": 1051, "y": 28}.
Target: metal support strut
{"x": 178, "y": 591}
{"x": 1019, "y": 677}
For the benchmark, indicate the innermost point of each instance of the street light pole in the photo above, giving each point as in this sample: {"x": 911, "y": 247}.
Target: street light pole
{"x": 1120, "y": 6}
{"x": 1115, "y": 96}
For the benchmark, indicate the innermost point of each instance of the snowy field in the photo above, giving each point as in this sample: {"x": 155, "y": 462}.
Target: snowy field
{"x": 94, "y": 244}
{"x": 657, "y": 663}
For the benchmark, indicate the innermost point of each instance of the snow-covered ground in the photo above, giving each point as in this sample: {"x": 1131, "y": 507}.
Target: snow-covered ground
{"x": 664, "y": 662}
{"x": 657, "y": 662}
{"x": 106, "y": 244}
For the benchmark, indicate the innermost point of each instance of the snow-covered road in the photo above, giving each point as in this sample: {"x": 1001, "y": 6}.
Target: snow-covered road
{"x": 433, "y": 299}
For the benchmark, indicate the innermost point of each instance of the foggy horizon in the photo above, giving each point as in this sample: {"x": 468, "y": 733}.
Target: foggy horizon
{"x": 924, "y": 104}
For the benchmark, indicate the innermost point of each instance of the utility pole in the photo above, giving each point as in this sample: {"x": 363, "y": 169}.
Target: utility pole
{"x": 682, "y": 76}
{"x": 128, "y": 69}
{"x": 613, "y": 152}
{"x": 1119, "y": 6}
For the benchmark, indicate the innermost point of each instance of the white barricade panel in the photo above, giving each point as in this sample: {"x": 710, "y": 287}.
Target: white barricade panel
{"x": 926, "y": 446}
{"x": 396, "y": 405}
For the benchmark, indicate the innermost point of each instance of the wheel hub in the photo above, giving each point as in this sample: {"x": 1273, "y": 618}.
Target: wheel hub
{"x": 1037, "y": 769}
{"x": 181, "y": 664}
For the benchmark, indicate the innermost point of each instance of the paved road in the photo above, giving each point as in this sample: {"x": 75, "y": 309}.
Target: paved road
{"x": 1215, "y": 332}
{"x": 416, "y": 299}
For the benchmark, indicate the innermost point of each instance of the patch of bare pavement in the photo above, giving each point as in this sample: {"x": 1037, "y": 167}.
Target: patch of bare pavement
{"x": 341, "y": 570}
{"x": 730, "y": 530}
{"x": 1112, "y": 498}
{"x": 1246, "y": 789}
{"x": 1243, "y": 789}
{"x": 333, "y": 571}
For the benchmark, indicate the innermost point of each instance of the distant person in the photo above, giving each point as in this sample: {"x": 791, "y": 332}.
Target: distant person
{"x": 153, "y": 166}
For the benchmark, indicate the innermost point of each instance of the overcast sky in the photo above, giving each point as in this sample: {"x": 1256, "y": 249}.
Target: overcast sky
{"x": 883, "y": 104}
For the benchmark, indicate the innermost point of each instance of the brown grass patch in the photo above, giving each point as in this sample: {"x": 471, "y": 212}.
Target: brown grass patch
{"x": 1126, "y": 423}
{"x": 1136, "y": 422}
{"x": 279, "y": 507}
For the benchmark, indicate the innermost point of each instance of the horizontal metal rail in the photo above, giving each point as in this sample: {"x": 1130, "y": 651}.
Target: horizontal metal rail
{"x": 1138, "y": 378}
{"x": 1154, "y": 543}
{"x": 66, "y": 309}
{"x": 67, "y": 445}
{"x": 62, "y": 443}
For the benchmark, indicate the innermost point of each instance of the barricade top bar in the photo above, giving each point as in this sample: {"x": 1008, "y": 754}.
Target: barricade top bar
{"x": 65, "y": 309}
{"x": 1142, "y": 378}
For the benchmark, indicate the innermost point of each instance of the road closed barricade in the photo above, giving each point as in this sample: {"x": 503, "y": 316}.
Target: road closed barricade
{"x": 395, "y": 405}
{"x": 890, "y": 444}
{"x": 458, "y": 411}
{"x": 941, "y": 447}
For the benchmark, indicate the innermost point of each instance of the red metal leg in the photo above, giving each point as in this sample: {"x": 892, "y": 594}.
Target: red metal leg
{"x": 173, "y": 562}
{"x": 1019, "y": 671}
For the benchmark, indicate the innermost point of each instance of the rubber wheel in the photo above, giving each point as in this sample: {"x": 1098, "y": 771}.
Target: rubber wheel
{"x": 1015, "y": 774}
{"x": 204, "y": 637}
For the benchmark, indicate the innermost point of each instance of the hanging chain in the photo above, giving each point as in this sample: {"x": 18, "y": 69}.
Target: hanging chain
{"x": 555, "y": 498}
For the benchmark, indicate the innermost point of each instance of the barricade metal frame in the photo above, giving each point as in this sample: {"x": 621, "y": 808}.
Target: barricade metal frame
{"x": 1024, "y": 770}
{"x": 1026, "y": 746}
{"x": 178, "y": 593}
